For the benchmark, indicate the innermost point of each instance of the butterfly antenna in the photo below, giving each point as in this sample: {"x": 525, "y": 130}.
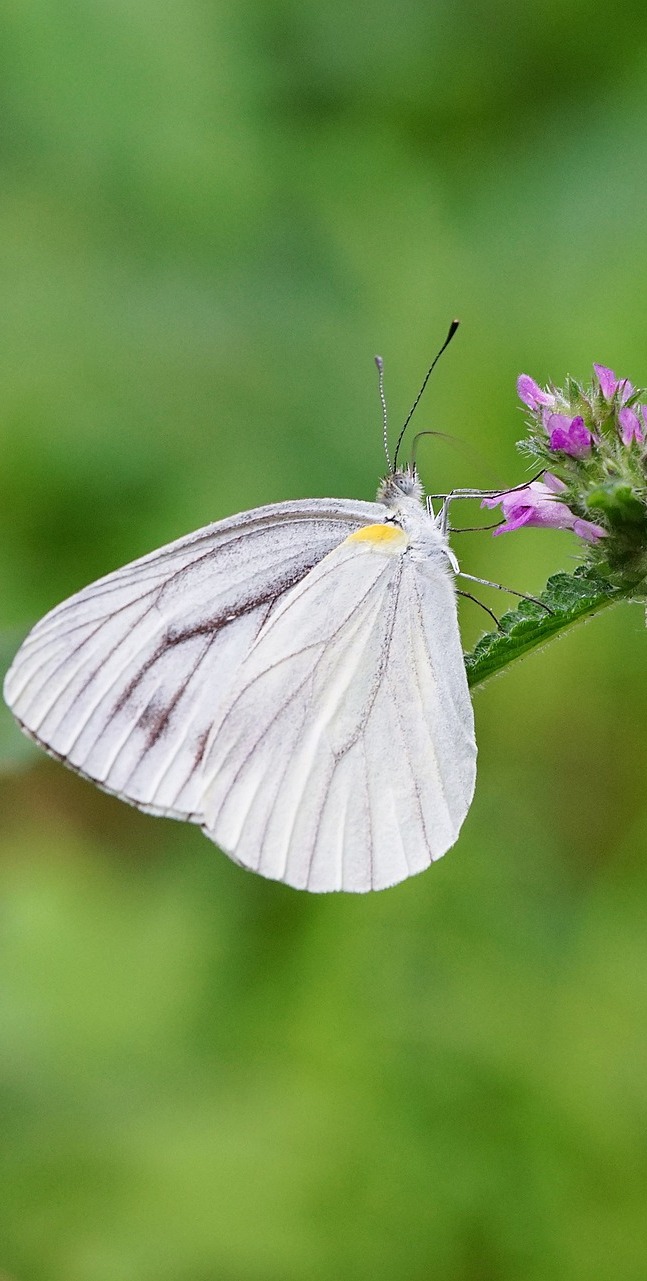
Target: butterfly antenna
{"x": 442, "y": 435}
{"x": 385, "y": 434}
{"x": 452, "y": 330}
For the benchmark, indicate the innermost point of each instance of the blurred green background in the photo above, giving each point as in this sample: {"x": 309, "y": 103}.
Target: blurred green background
{"x": 211, "y": 216}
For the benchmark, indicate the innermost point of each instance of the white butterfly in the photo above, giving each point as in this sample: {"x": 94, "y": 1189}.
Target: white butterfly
{"x": 291, "y": 679}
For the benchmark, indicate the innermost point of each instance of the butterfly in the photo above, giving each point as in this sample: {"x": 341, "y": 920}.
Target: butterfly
{"x": 290, "y": 679}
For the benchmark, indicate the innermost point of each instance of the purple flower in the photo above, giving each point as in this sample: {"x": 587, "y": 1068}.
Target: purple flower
{"x": 609, "y": 384}
{"x": 630, "y": 428}
{"x": 569, "y": 434}
{"x": 531, "y": 393}
{"x": 536, "y": 504}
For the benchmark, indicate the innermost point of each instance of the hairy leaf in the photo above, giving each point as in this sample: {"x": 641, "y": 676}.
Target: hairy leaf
{"x": 571, "y": 598}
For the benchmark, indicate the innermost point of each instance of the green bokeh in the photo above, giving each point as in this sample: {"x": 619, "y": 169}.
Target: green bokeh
{"x": 211, "y": 216}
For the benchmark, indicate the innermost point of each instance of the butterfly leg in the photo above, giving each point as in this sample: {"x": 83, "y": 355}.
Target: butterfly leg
{"x": 485, "y": 582}
{"x": 468, "y": 596}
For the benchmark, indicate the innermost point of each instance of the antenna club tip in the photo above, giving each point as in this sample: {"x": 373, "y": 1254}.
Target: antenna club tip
{"x": 454, "y": 326}
{"x": 379, "y": 362}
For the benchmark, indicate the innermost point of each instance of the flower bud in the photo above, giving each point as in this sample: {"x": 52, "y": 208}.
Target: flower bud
{"x": 531, "y": 393}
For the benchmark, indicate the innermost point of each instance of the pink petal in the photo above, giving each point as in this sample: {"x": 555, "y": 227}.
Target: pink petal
{"x": 569, "y": 435}
{"x": 531, "y": 393}
{"x": 607, "y": 380}
{"x": 588, "y": 531}
{"x": 516, "y": 518}
{"x": 630, "y": 428}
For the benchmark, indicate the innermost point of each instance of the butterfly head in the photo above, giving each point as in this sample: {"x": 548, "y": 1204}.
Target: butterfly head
{"x": 403, "y": 483}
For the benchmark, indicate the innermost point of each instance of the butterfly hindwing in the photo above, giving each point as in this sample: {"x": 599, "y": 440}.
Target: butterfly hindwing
{"x": 344, "y": 757}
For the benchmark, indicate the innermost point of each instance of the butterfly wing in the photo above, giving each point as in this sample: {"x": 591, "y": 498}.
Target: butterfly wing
{"x": 124, "y": 680}
{"x": 344, "y": 758}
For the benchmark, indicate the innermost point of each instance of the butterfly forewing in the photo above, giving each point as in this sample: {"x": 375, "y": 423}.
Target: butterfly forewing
{"x": 125, "y": 680}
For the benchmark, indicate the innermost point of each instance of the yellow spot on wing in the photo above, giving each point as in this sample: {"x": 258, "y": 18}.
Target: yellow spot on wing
{"x": 385, "y": 538}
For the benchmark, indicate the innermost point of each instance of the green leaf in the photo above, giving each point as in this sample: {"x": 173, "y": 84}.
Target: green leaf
{"x": 571, "y": 598}
{"x": 15, "y": 749}
{"x": 619, "y": 504}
